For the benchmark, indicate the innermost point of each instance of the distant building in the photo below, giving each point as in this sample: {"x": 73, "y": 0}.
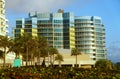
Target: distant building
{"x": 63, "y": 30}
{"x": 3, "y": 20}
{"x": 83, "y": 60}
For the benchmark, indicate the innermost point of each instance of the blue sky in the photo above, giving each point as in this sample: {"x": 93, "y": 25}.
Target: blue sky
{"x": 108, "y": 10}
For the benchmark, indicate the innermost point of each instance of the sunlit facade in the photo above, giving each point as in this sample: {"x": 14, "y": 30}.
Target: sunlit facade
{"x": 64, "y": 30}
{"x": 3, "y": 20}
{"x": 90, "y": 36}
{"x": 58, "y": 28}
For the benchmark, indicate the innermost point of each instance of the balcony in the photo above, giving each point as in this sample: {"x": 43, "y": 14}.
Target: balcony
{"x": 83, "y": 22}
{"x": 85, "y": 30}
{"x": 91, "y": 39}
{"x": 92, "y": 56}
{"x": 87, "y": 47}
{"x": 92, "y": 52}
{"x": 89, "y": 34}
{"x": 78, "y": 26}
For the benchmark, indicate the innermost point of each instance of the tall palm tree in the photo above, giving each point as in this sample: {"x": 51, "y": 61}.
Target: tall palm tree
{"x": 33, "y": 49}
{"x": 17, "y": 47}
{"x": 31, "y": 54}
{"x": 41, "y": 44}
{"x": 59, "y": 58}
{"x": 75, "y": 52}
{"x": 26, "y": 40}
{"x": 5, "y": 44}
{"x": 44, "y": 53}
{"x": 30, "y": 46}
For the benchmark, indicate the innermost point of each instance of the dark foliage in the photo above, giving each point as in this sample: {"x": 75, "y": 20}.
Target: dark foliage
{"x": 39, "y": 72}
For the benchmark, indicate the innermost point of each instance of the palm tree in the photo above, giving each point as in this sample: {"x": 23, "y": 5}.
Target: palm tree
{"x": 32, "y": 52}
{"x": 41, "y": 44}
{"x": 17, "y": 47}
{"x": 44, "y": 53}
{"x": 59, "y": 58}
{"x": 52, "y": 52}
{"x": 29, "y": 46}
{"x": 25, "y": 41}
{"x": 5, "y": 44}
{"x": 75, "y": 52}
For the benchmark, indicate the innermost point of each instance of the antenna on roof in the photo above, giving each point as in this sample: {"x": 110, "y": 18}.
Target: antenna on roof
{"x": 60, "y": 11}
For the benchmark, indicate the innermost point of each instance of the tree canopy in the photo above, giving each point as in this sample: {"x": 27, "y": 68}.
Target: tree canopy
{"x": 104, "y": 64}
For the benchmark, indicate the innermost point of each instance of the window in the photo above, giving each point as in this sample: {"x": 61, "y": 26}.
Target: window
{"x": 18, "y": 22}
{"x": 17, "y": 30}
{"x": 28, "y": 22}
{"x": 28, "y": 30}
{"x": 18, "y": 26}
{"x": 97, "y": 21}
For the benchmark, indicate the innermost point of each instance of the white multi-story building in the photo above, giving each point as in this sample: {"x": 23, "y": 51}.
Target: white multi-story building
{"x": 3, "y": 20}
{"x": 90, "y": 36}
{"x": 64, "y": 30}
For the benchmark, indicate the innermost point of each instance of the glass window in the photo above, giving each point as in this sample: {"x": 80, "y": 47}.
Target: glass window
{"x": 28, "y": 30}
{"x": 17, "y": 30}
{"x": 58, "y": 30}
{"x": 18, "y": 22}
{"x": 97, "y": 21}
{"x": 18, "y": 26}
{"x": 28, "y": 22}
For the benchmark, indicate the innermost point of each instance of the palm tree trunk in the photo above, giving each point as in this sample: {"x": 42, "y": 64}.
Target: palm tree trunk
{"x": 27, "y": 57}
{"x": 76, "y": 60}
{"x": 53, "y": 59}
{"x": 39, "y": 59}
{"x": 4, "y": 61}
{"x": 44, "y": 62}
{"x": 59, "y": 63}
{"x": 32, "y": 59}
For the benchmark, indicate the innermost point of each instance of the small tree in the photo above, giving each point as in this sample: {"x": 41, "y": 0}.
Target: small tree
{"x": 52, "y": 52}
{"x": 59, "y": 58}
{"x": 117, "y": 66}
{"x": 104, "y": 64}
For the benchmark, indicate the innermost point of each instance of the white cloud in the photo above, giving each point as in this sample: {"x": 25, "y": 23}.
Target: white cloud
{"x": 114, "y": 51}
{"x": 36, "y": 5}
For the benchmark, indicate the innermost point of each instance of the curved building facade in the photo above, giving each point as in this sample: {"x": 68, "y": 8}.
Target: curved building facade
{"x": 90, "y": 36}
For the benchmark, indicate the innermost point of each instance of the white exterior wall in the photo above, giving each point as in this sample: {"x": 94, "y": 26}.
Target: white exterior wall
{"x": 3, "y": 20}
